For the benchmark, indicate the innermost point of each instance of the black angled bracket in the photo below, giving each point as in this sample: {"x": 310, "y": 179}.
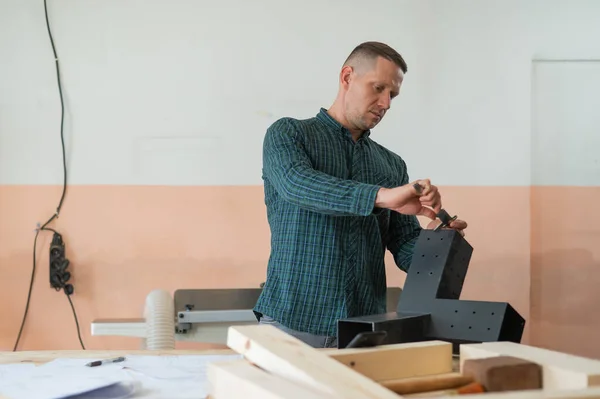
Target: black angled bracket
{"x": 429, "y": 307}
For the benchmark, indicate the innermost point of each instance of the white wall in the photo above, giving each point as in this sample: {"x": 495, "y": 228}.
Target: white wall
{"x": 177, "y": 92}
{"x": 566, "y": 123}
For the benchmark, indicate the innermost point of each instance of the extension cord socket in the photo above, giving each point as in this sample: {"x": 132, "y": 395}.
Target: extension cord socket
{"x": 58, "y": 266}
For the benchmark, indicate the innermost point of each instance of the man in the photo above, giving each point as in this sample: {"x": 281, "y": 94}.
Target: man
{"x": 335, "y": 201}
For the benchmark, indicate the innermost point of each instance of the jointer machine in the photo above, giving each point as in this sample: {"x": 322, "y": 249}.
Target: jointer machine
{"x": 426, "y": 308}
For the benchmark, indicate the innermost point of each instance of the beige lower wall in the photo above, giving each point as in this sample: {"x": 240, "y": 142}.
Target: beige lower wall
{"x": 124, "y": 241}
{"x": 565, "y": 269}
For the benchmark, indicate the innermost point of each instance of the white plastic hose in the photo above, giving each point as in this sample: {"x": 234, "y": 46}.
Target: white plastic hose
{"x": 159, "y": 313}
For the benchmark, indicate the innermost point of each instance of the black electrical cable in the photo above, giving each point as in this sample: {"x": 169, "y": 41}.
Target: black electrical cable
{"x": 76, "y": 321}
{"x": 62, "y": 197}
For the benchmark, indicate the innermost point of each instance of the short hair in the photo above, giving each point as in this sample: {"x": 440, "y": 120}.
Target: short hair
{"x": 371, "y": 50}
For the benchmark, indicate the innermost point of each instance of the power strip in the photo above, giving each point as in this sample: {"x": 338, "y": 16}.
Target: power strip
{"x": 59, "y": 275}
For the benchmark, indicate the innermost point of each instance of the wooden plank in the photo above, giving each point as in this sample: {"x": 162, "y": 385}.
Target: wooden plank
{"x": 590, "y": 393}
{"x": 428, "y": 383}
{"x": 560, "y": 370}
{"x": 286, "y": 356}
{"x": 390, "y": 362}
{"x": 240, "y": 379}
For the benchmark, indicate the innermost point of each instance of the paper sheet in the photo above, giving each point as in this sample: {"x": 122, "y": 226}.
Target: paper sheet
{"x": 148, "y": 377}
{"x": 61, "y": 379}
{"x": 173, "y": 377}
{"x": 173, "y": 367}
{"x": 12, "y": 371}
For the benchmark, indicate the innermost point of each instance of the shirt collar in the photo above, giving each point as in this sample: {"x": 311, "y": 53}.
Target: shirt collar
{"x": 328, "y": 120}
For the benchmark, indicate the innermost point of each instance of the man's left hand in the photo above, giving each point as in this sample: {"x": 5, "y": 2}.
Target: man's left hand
{"x": 458, "y": 225}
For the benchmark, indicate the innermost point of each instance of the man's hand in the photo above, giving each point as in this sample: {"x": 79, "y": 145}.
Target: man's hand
{"x": 417, "y": 198}
{"x": 458, "y": 225}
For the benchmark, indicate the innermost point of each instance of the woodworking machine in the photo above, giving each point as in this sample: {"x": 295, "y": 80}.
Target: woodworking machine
{"x": 427, "y": 308}
{"x": 199, "y": 315}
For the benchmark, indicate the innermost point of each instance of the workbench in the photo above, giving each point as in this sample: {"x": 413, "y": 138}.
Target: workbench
{"x": 41, "y": 357}
{"x": 277, "y": 365}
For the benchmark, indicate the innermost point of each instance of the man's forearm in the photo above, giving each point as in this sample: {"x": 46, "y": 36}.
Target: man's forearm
{"x": 403, "y": 233}
{"x": 381, "y": 200}
{"x": 319, "y": 192}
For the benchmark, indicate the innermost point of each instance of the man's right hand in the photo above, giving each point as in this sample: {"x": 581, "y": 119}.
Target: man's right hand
{"x": 409, "y": 201}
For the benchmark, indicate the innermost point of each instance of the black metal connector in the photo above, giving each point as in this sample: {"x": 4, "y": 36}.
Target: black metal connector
{"x": 429, "y": 307}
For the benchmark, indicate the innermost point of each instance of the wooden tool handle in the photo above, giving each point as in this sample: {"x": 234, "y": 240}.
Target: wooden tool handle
{"x": 427, "y": 383}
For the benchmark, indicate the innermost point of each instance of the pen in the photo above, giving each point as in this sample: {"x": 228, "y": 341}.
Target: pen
{"x": 105, "y": 361}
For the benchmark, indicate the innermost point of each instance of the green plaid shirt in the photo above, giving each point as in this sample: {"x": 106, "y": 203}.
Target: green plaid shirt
{"x": 328, "y": 241}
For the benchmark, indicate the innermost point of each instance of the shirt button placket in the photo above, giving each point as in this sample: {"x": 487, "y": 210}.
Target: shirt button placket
{"x": 354, "y": 236}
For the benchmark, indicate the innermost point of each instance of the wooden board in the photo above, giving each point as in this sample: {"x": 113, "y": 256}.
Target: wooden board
{"x": 560, "y": 370}
{"x": 240, "y": 379}
{"x": 402, "y": 367}
{"x": 269, "y": 351}
{"x": 592, "y": 393}
{"x": 286, "y": 356}
{"x": 395, "y": 361}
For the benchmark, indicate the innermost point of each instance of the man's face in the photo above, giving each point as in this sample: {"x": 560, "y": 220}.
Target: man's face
{"x": 370, "y": 90}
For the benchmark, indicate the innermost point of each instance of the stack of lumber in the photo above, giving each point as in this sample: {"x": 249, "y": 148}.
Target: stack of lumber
{"x": 276, "y": 365}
